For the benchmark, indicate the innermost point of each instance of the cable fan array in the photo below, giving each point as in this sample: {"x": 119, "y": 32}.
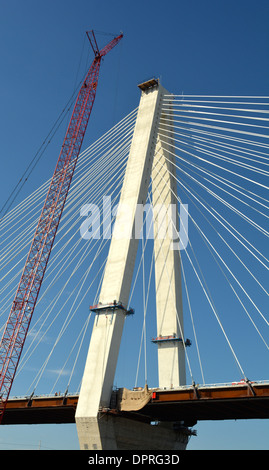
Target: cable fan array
{"x": 75, "y": 266}
{"x": 220, "y": 156}
{"x": 219, "y": 151}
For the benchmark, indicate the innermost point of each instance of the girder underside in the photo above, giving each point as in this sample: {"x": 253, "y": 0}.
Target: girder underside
{"x": 171, "y": 405}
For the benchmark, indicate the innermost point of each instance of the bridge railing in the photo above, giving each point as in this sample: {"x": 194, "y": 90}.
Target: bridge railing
{"x": 182, "y": 387}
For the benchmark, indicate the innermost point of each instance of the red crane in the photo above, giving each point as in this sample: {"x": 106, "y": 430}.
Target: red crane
{"x": 23, "y": 306}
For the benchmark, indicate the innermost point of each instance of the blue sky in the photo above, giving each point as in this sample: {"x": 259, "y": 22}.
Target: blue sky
{"x": 209, "y": 47}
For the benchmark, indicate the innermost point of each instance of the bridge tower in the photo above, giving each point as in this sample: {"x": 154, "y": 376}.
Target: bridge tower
{"x": 147, "y": 159}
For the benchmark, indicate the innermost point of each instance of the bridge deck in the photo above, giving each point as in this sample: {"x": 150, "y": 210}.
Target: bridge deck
{"x": 234, "y": 401}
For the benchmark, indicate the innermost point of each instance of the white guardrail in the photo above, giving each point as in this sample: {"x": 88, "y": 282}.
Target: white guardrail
{"x": 182, "y": 387}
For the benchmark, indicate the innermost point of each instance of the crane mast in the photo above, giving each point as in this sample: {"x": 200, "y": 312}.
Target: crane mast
{"x": 26, "y": 296}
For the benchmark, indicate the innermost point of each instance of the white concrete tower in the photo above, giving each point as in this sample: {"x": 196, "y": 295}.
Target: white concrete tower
{"x": 169, "y": 310}
{"x": 97, "y": 383}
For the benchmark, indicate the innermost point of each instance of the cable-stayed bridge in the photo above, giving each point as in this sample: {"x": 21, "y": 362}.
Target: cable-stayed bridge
{"x": 207, "y": 158}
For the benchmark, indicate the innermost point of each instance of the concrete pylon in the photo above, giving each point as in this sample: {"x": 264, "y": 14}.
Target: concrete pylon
{"x": 97, "y": 382}
{"x": 169, "y": 310}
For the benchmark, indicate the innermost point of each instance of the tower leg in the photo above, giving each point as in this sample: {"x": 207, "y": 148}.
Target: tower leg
{"x": 171, "y": 352}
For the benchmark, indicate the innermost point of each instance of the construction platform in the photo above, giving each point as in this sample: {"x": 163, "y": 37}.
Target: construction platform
{"x": 153, "y": 82}
{"x": 188, "y": 404}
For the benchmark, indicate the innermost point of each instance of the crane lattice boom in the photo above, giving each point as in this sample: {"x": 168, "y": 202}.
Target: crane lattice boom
{"x": 23, "y": 306}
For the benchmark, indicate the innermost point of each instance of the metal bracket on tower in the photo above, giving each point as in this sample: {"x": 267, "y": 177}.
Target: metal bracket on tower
{"x": 168, "y": 339}
{"x": 102, "y": 308}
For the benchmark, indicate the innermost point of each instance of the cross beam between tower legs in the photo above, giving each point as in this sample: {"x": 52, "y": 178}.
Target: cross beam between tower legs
{"x": 97, "y": 382}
